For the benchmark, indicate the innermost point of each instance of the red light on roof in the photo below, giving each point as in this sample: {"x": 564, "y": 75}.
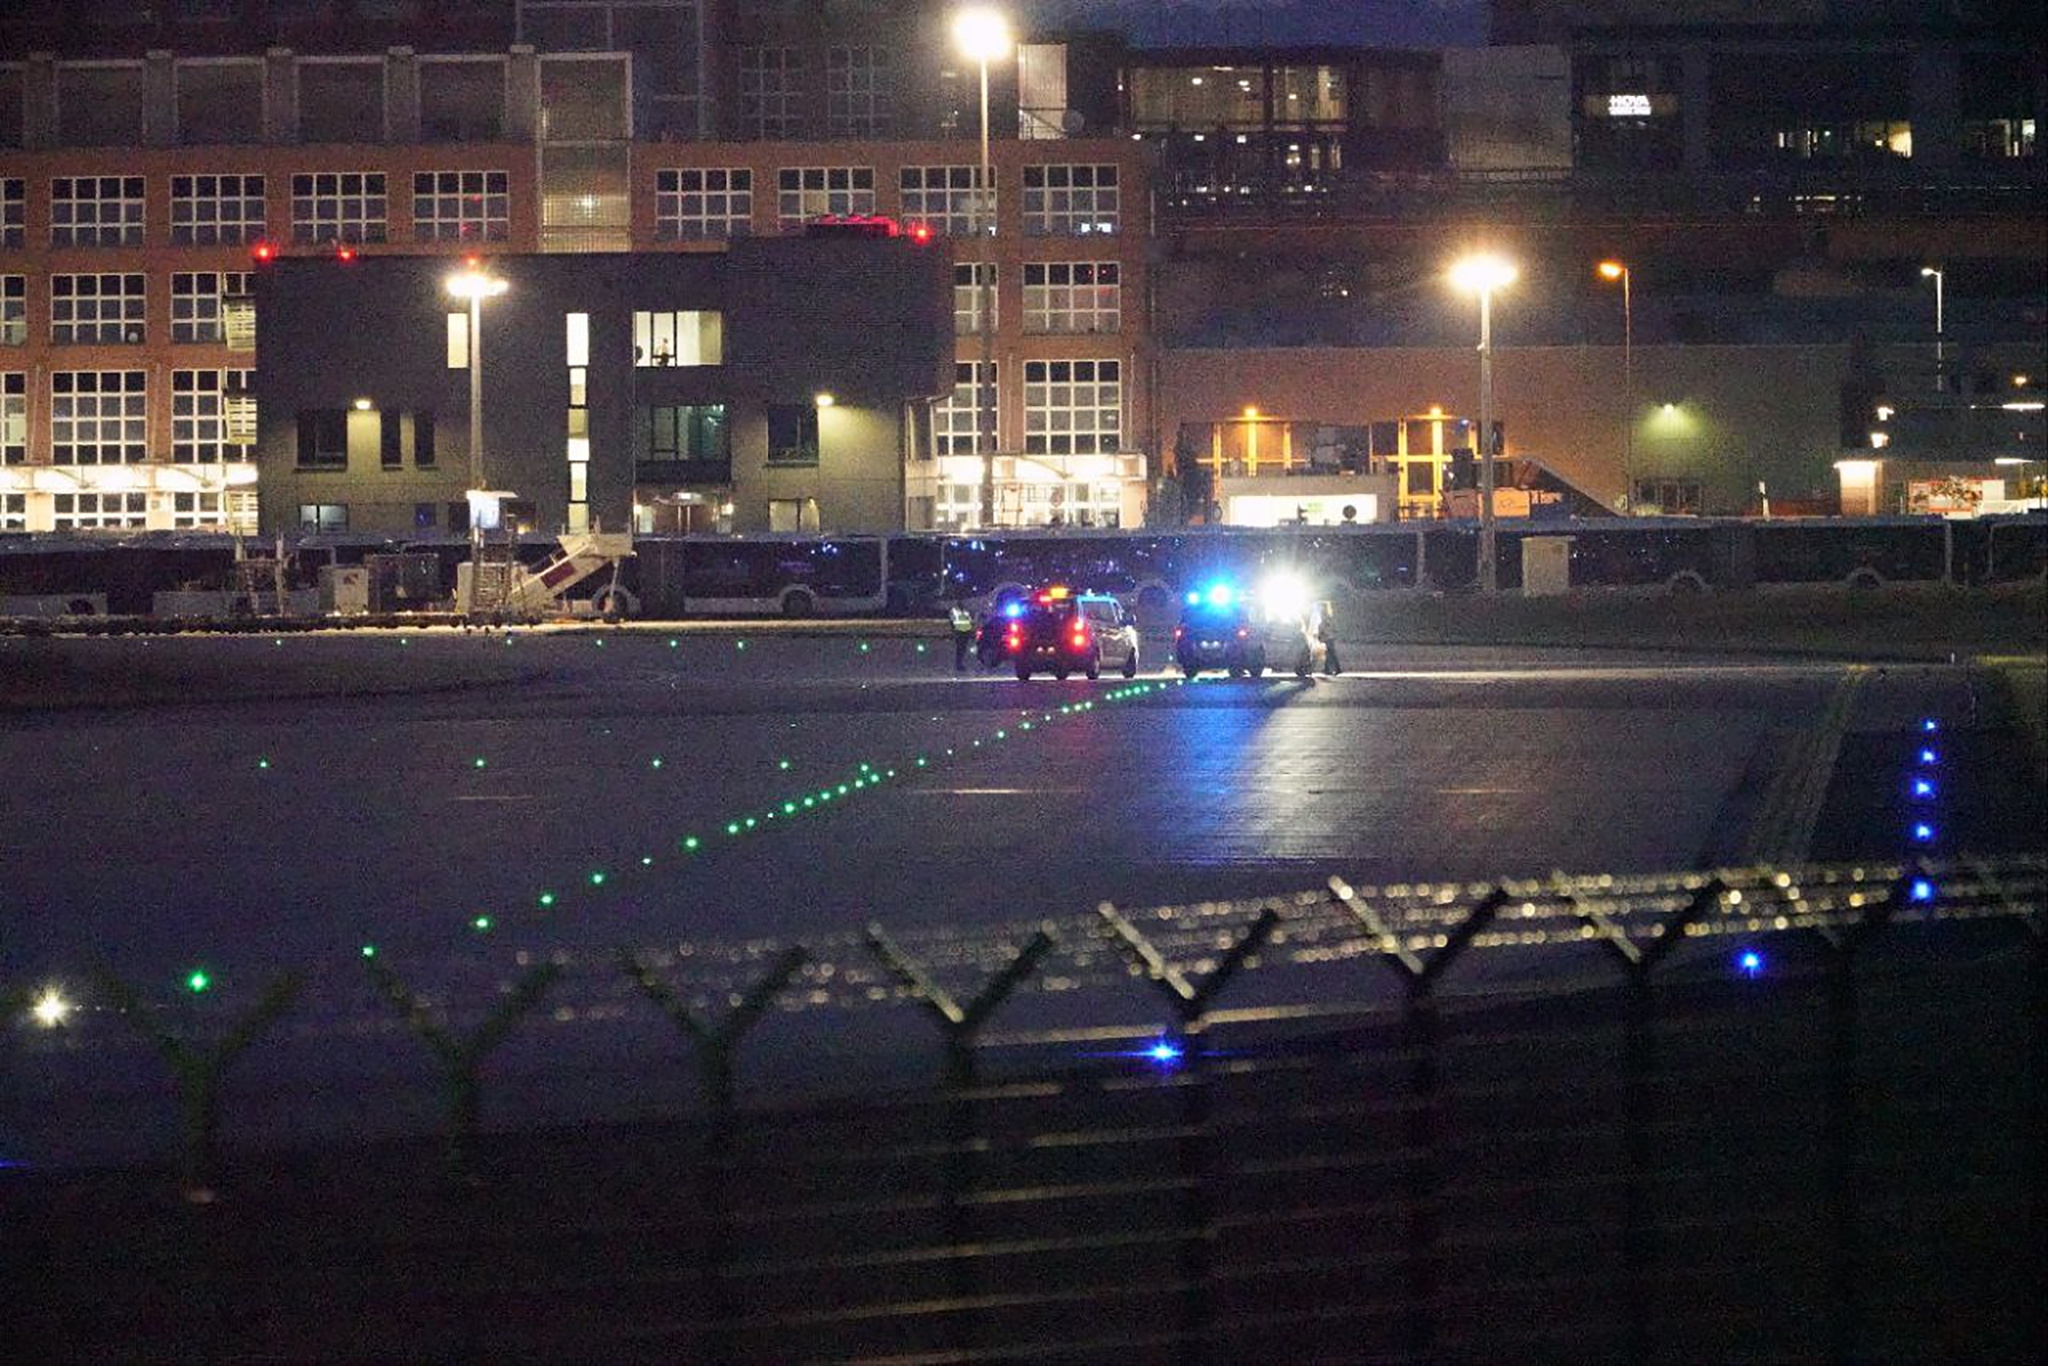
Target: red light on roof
{"x": 344, "y": 254}
{"x": 473, "y": 262}
{"x": 920, "y": 233}
{"x": 264, "y": 252}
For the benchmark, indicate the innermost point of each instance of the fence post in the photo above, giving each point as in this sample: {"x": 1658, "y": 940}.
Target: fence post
{"x": 462, "y": 1059}
{"x": 1639, "y": 1070}
{"x": 198, "y": 1072}
{"x": 1842, "y": 1122}
{"x": 959, "y": 1028}
{"x": 1421, "y": 1134}
{"x": 715, "y": 1045}
{"x": 1189, "y": 1002}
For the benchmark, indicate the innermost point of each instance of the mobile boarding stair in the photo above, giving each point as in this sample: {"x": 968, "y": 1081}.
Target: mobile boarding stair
{"x": 502, "y": 588}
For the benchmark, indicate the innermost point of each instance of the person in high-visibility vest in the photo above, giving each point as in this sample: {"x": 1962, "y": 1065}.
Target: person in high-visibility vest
{"x": 1326, "y": 632}
{"x": 963, "y": 636}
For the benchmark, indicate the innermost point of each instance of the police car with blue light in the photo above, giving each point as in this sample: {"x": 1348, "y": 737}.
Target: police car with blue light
{"x": 1062, "y": 632}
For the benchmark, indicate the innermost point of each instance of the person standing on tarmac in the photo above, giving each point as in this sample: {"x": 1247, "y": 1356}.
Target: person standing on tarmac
{"x": 1326, "y": 632}
{"x": 963, "y": 636}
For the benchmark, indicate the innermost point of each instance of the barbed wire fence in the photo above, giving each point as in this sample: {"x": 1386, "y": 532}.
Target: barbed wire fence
{"x": 1449, "y": 949}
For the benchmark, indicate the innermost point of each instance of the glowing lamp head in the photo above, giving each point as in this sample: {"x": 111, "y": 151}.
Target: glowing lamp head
{"x": 474, "y": 284}
{"x": 1251, "y": 414}
{"x": 362, "y": 405}
{"x": 1484, "y": 273}
{"x": 824, "y": 400}
{"x": 981, "y": 33}
{"x": 1926, "y": 271}
{"x": 1612, "y": 270}
{"x": 50, "y": 1009}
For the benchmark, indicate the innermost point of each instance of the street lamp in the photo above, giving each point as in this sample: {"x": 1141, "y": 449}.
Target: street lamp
{"x": 983, "y": 36}
{"x": 1482, "y": 274}
{"x": 1618, "y": 270}
{"x": 473, "y": 284}
{"x": 1940, "y": 349}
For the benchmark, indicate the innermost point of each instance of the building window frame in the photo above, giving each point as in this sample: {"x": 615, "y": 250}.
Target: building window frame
{"x": 681, "y": 337}
{"x": 957, "y": 417}
{"x": 703, "y": 203}
{"x": 857, "y": 91}
{"x": 943, "y": 198}
{"x": 204, "y": 417}
{"x": 13, "y": 310}
{"x": 803, "y": 193}
{"x": 1072, "y": 199}
{"x": 99, "y": 511}
{"x": 322, "y": 440}
{"x": 218, "y": 209}
{"x": 97, "y": 210}
{"x": 99, "y": 417}
{"x": 14, "y": 418}
{"x": 323, "y": 518}
{"x": 13, "y": 211}
{"x": 199, "y": 303}
{"x": 969, "y": 279}
{"x": 793, "y": 435}
{"x": 461, "y": 206}
{"x": 1073, "y": 407}
{"x": 1073, "y": 297}
{"x": 339, "y": 206}
{"x": 770, "y": 81}
{"x": 91, "y": 309}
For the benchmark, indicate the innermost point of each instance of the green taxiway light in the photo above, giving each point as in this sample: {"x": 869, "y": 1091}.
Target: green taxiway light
{"x": 547, "y": 899}
{"x": 739, "y": 645}
{"x": 732, "y": 828}
{"x": 751, "y": 822}
{"x": 842, "y": 789}
{"x": 482, "y": 922}
{"x": 263, "y": 763}
{"x": 863, "y": 647}
{"x": 197, "y": 981}
{"x": 647, "y": 861}
{"x": 478, "y": 762}
{"x": 920, "y": 761}
{"x": 654, "y": 762}
{"x": 673, "y": 642}
{"x": 369, "y": 950}
{"x": 789, "y": 808}
{"x": 691, "y": 842}
{"x": 782, "y": 764}
{"x": 810, "y": 801}
{"x": 597, "y": 879}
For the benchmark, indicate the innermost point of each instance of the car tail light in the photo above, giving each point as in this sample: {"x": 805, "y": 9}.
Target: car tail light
{"x": 1080, "y": 640}
{"x": 1179, "y": 631}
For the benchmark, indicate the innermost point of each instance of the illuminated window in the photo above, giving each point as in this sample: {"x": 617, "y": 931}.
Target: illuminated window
{"x": 103, "y": 310}
{"x": 323, "y": 517}
{"x": 213, "y": 416}
{"x": 1073, "y": 296}
{"x": 458, "y": 341}
{"x": 1070, "y": 201}
{"x": 807, "y": 192}
{"x": 13, "y": 419}
{"x": 461, "y": 206}
{"x": 707, "y": 203}
{"x": 687, "y": 432}
{"x": 943, "y": 199}
{"x": 1073, "y": 407}
{"x": 96, "y": 211}
{"x": 216, "y": 210}
{"x": 689, "y": 337}
{"x": 338, "y": 206}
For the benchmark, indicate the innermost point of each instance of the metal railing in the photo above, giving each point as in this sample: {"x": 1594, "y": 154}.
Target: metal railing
{"x": 1608, "y": 1117}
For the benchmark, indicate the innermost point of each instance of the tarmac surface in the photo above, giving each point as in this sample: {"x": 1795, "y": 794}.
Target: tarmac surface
{"x": 705, "y": 796}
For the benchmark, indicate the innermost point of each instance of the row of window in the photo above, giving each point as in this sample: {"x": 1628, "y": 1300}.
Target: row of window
{"x": 1059, "y": 297}
{"x": 110, "y": 309}
{"x": 101, "y": 417}
{"x": 475, "y": 206}
{"x": 1071, "y": 407}
{"x": 859, "y": 97}
{"x": 229, "y": 210}
{"x": 718, "y": 202}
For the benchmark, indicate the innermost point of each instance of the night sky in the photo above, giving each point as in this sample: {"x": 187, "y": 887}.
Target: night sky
{"x": 1385, "y": 23}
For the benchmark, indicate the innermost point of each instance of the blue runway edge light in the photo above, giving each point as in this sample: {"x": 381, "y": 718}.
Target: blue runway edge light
{"x": 1921, "y": 890}
{"x": 1749, "y": 963}
{"x": 1922, "y": 788}
{"x": 1929, "y": 726}
{"x": 1923, "y": 832}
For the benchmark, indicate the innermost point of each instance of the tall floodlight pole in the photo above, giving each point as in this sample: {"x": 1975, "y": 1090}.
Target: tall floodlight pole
{"x": 474, "y": 285}
{"x": 1618, "y": 270}
{"x": 1940, "y": 341}
{"x": 983, "y": 35}
{"x": 1482, "y": 275}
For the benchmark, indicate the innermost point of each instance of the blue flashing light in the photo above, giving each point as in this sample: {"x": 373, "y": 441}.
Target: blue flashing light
{"x": 1194, "y": 596}
{"x": 1013, "y": 610}
{"x": 1923, "y": 787}
{"x": 1923, "y": 833}
{"x": 1749, "y": 963}
{"x": 1928, "y": 756}
{"x": 1164, "y": 1053}
{"x": 1921, "y": 890}
{"x": 1220, "y": 594}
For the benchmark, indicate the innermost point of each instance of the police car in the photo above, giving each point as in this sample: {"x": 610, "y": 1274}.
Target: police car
{"x": 1219, "y": 629}
{"x": 1062, "y": 632}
